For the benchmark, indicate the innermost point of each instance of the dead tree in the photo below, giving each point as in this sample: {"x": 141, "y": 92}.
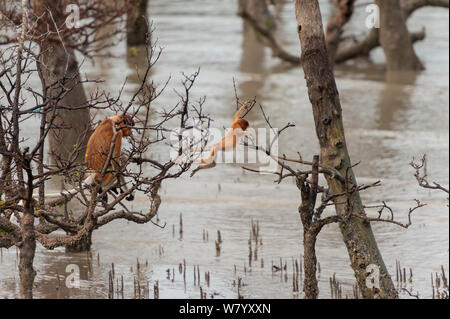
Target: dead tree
{"x": 23, "y": 197}
{"x": 324, "y": 97}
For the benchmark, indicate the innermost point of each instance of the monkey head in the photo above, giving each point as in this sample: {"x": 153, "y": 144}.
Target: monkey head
{"x": 240, "y": 123}
{"x": 124, "y": 122}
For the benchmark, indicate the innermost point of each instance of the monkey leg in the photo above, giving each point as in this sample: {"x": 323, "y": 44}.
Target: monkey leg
{"x": 117, "y": 186}
{"x": 121, "y": 183}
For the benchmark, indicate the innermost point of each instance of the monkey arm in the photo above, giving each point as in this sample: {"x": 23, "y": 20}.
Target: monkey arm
{"x": 229, "y": 141}
{"x": 236, "y": 115}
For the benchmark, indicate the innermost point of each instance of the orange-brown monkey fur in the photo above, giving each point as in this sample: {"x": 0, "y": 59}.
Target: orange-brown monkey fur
{"x": 99, "y": 146}
{"x": 238, "y": 129}
{"x": 228, "y": 141}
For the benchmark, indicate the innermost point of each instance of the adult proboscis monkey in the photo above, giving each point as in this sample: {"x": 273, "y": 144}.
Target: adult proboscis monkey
{"x": 98, "y": 148}
{"x": 97, "y": 151}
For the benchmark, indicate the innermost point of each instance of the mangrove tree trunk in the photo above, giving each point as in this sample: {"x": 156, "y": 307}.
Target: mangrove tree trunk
{"x": 323, "y": 94}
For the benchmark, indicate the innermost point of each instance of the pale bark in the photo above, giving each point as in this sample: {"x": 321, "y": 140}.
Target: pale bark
{"x": 324, "y": 97}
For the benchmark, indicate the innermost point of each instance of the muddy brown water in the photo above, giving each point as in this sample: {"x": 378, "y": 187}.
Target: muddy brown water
{"x": 387, "y": 123}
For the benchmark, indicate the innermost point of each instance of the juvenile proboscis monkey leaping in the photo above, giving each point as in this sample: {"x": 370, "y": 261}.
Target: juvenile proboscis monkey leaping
{"x": 237, "y": 131}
